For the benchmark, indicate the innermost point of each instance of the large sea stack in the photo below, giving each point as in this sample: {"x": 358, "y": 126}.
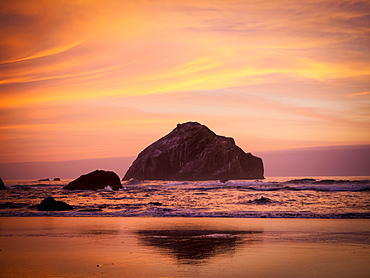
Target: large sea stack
{"x": 193, "y": 152}
{"x": 99, "y": 179}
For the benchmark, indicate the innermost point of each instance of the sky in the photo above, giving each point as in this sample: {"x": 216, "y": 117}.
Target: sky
{"x": 87, "y": 79}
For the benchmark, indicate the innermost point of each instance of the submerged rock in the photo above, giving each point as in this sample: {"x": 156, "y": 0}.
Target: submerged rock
{"x": 49, "y": 204}
{"x": 262, "y": 200}
{"x": 2, "y": 185}
{"x": 193, "y": 152}
{"x": 99, "y": 179}
{"x": 155, "y": 203}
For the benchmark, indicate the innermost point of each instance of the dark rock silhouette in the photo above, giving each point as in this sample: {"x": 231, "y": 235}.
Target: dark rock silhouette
{"x": 98, "y": 179}
{"x": 44, "y": 179}
{"x": 2, "y": 185}
{"x": 155, "y": 203}
{"x": 262, "y": 200}
{"x": 49, "y": 204}
{"x": 56, "y": 179}
{"x": 193, "y": 152}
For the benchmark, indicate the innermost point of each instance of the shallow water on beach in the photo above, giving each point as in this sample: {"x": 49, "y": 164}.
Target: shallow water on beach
{"x": 322, "y": 197}
{"x": 183, "y": 247}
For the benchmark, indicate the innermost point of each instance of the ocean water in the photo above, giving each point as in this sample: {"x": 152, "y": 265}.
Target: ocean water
{"x": 314, "y": 197}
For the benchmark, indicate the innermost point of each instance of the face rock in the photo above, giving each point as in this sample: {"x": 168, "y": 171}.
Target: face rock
{"x": 193, "y": 152}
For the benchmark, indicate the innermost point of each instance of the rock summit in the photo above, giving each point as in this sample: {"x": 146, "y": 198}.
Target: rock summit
{"x": 193, "y": 152}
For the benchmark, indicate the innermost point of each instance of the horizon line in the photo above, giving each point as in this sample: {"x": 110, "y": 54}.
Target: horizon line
{"x": 130, "y": 156}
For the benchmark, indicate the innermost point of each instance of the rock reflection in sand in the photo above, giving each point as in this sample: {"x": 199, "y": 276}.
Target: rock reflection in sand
{"x": 197, "y": 246}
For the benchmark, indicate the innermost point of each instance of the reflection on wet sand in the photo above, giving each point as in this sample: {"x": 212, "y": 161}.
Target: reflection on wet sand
{"x": 197, "y": 246}
{"x": 100, "y": 232}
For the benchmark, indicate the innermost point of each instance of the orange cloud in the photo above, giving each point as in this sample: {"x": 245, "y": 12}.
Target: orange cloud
{"x": 94, "y": 67}
{"x": 221, "y": 47}
{"x": 359, "y": 94}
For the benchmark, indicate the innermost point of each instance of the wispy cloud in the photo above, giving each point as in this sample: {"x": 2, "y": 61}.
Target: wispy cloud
{"x": 45, "y": 53}
{"x": 359, "y": 94}
{"x": 298, "y": 70}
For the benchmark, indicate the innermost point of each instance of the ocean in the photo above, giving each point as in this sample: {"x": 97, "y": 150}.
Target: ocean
{"x": 289, "y": 197}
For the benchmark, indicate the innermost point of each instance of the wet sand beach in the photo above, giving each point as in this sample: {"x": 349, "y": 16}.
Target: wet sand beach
{"x": 183, "y": 247}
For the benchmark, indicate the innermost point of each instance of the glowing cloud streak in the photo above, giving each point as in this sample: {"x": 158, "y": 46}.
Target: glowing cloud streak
{"x": 291, "y": 67}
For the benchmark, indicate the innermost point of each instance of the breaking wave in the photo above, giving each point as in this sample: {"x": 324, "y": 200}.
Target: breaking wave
{"x": 338, "y": 197}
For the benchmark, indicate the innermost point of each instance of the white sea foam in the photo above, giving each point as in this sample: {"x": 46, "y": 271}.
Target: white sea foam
{"x": 108, "y": 188}
{"x": 176, "y": 183}
{"x": 301, "y": 198}
{"x": 218, "y": 236}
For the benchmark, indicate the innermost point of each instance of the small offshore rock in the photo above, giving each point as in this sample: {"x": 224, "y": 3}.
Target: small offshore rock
{"x": 44, "y": 179}
{"x": 56, "y": 179}
{"x": 49, "y": 204}
{"x": 99, "y": 179}
{"x": 262, "y": 200}
{"x": 155, "y": 203}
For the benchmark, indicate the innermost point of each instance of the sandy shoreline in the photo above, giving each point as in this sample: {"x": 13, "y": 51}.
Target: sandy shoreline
{"x": 183, "y": 247}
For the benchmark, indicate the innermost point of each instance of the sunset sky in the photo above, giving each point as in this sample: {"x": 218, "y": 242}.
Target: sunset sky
{"x": 86, "y": 79}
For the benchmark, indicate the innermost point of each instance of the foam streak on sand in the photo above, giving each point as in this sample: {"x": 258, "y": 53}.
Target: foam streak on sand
{"x": 324, "y": 197}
